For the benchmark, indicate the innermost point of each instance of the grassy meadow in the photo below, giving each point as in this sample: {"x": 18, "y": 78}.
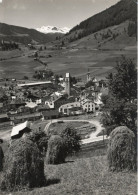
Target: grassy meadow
{"x": 76, "y": 61}
{"x": 98, "y": 54}
{"x": 85, "y": 173}
{"x": 84, "y": 176}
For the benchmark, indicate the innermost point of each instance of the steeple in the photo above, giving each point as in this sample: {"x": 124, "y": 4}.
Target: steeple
{"x": 67, "y": 84}
{"x": 88, "y": 75}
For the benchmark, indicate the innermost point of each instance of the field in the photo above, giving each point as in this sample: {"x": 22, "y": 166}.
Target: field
{"x": 75, "y": 61}
{"x": 85, "y": 173}
{"x": 97, "y": 54}
{"x": 85, "y": 176}
{"x": 83, "y": 128}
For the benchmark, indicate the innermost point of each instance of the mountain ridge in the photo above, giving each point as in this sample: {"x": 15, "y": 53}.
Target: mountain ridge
{"x": 53, "y": 29}
{"x": 23, "y": 35}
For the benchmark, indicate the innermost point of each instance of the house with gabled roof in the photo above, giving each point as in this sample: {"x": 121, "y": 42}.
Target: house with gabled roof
{"x": 65, "y": 108}
{"x": 19, "y": 130}
{"x": 4, "y": 118}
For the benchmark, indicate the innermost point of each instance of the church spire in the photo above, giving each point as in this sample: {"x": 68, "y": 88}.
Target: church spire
{"x": 88, "y": 75}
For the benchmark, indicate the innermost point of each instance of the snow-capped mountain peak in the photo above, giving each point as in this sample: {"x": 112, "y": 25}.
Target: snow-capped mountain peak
{"x": 53, "y": 29}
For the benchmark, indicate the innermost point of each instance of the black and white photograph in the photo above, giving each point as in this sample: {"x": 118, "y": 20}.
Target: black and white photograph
{"x": 68, "y": 97}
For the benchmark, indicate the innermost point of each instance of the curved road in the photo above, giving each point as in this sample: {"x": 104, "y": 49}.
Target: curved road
{"x": 93, "y": 136}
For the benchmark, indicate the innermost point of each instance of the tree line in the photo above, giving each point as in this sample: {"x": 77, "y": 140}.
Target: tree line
{"x": 8, "y": 45}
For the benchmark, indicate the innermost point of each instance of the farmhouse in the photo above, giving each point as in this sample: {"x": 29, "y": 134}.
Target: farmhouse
{"x": 65, "y": 109}
{"x": 4, "y": 118}
{"x": 30, "y": 117}
{"x": 16, "y": 104}
{"x": 19, "y": 130}
{"x": 50, "y": 114}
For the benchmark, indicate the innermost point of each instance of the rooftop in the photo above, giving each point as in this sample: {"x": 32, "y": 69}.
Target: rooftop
{"x": 20, "y": 127}
{"x": 3, "y": 116}
{"x": 36, "y": 83}
{"x": 36, "y": 114}
{"x": 50, "y": 113}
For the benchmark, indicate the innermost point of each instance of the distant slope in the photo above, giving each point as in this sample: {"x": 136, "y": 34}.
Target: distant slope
{"x": 115, "y": 15}
{"x": 112, "y": 38}
{"x": 24, "y": 35}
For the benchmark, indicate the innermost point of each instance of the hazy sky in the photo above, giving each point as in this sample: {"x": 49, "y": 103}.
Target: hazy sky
{"x": 60, "y": 13}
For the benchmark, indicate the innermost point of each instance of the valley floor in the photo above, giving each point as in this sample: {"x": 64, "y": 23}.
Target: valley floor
{"x": 76, "y": 62}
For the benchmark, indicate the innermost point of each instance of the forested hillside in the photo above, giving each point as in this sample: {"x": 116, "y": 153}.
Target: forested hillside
{"x": 115, "y": 15}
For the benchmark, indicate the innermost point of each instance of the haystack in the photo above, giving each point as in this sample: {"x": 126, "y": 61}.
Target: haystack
{"x": 55, "y": 152}
{"x": 24, "y": 166}
{"x": 1, "y": 158}
{"x": 122, "y": 149}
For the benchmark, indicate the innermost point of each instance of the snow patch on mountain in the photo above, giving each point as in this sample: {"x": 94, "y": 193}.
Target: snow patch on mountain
{"x": 53, "y": 29}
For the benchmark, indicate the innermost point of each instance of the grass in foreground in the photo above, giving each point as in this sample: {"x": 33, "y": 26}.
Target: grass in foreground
{"x": 85, "y": 176}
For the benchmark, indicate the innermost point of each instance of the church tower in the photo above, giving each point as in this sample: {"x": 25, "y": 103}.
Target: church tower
{"x": 88, "y": 76}
{"x": 67, "y": 84}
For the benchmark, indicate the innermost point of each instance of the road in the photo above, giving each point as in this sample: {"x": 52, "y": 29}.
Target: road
{"x": 92, "y": 137}
{"x": 5, "y": 134}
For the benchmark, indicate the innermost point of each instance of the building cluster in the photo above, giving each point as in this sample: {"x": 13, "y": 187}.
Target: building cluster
{"x": 45, "y": 100}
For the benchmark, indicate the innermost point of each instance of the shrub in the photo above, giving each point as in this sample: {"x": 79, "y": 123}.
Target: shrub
{"x": 39, "y": 137}
{"x": 55, "y": 152}
{"x": 71, "y": 140}
{"x": 121, "y": 152}
{"x": 24, "y": 166}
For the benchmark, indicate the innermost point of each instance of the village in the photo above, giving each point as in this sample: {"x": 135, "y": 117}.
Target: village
{"x": 41, "y": 100}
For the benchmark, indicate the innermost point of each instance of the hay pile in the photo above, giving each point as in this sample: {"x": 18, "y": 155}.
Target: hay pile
{"x": 55, "y": 152}
{"x": 122, "y": 149}
{"x": 1, "y": 159}
{"x": 24, "y": 166}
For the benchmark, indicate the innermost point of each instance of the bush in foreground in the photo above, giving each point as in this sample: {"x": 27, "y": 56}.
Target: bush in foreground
{"x": 24, "y": 166}
{"x": 121, "y": 152}
{"x": 71, "y": 139}
{"x": 55, "y": 152}
{"x": 39, "y": 137}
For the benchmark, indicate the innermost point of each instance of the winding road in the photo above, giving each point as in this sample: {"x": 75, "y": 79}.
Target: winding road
{"x": 5, "y": 134}
{"x": 92, "y": 137}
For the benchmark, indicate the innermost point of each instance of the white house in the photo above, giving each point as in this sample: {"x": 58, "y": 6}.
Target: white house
{"x": 38, "y": 101}
{"x": 64, "y": 109}
{"x": 50, "y": 104}
{"x": 13, "y": 97}
{"x": 88, "y": 106}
